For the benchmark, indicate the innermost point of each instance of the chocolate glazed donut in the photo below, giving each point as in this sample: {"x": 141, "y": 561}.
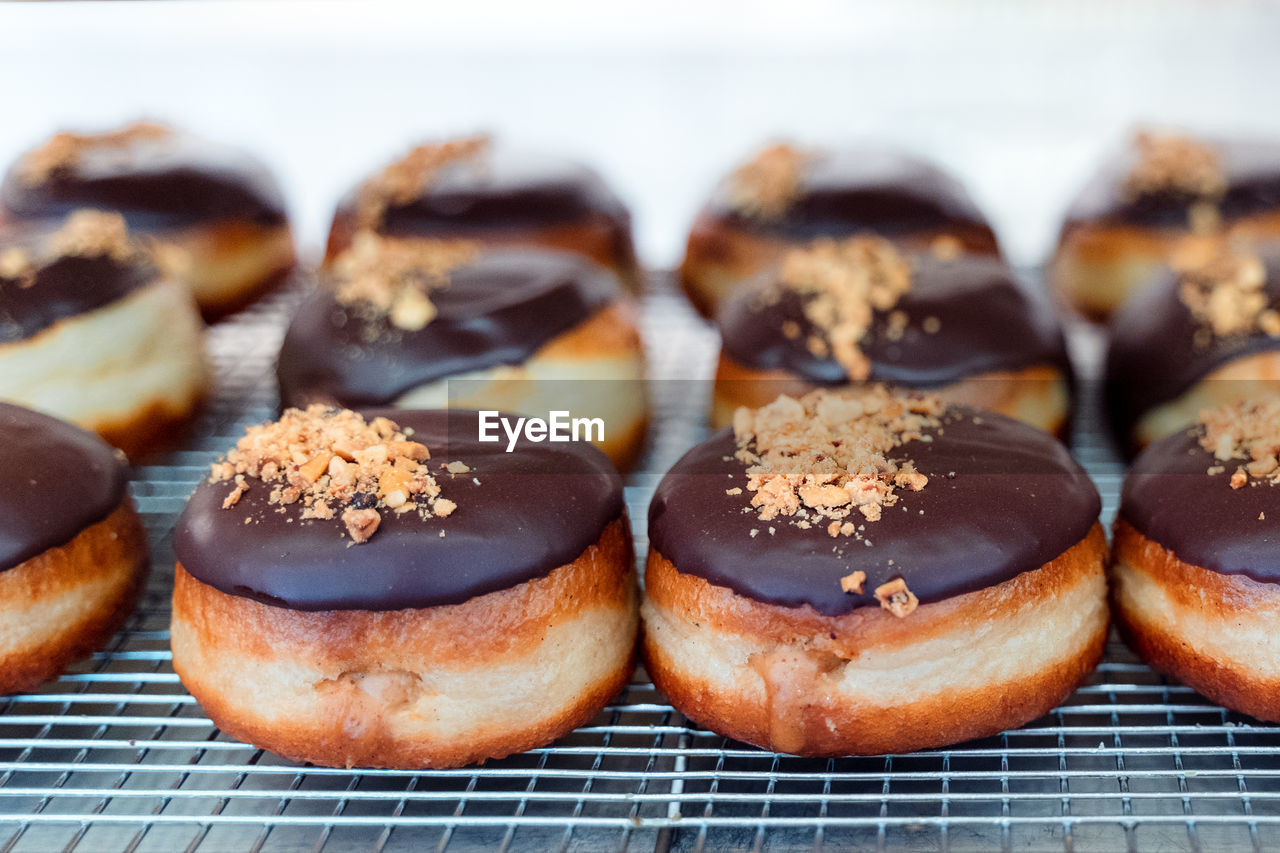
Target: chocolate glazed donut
{"x": 1195, "y": 580}
{"x": 73, "y": 555}
{"x": 217, "y": 212}
{"x": 494, "y": 626}
{"x": 787, "y": 196}
{"x": 516, "y": 329}
{"x": 971, "y": 605}
{"x": 1119, "y": 231}
{"x": 478, "y": 189}
{"x": 966, "y": 329}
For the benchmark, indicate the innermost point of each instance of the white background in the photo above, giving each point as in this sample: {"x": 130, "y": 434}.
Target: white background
{"x": 1018, "y": 98}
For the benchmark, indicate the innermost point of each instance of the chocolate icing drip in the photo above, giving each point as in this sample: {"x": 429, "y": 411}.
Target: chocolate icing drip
{"x": 1016, "y": 501}
{"x": 499, "y": 310}
{"x": 1153, "y": 357}
{"x": 534, "y": 510}
{"x": 65, "y": 287}
{"x": 986, "y": 322}
{"x": 1251, "y": 169}
{"x": 1168, "y": 497}
{"x": 169, "y": 182}
{"x": 862, "y": 188}
{"x": 498, "y": 192}
{"x": 55, "y": 480}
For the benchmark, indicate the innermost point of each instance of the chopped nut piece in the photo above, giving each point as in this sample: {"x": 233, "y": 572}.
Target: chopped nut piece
{"x": 765, "y": 186}
{"x": 1224, "y": 291}
{"x": 853, "y": 582}
{"x": 375, "y": 467}
{"x": 1239, "y": 478}
{"x": 896, "y": 598}
{"x": 844, "y": 283}
{"x": 734, "y": 491}
{"x": 361, "y": 523}
{"x": 1249, "y": 431}
{"x": 457, "y": 468}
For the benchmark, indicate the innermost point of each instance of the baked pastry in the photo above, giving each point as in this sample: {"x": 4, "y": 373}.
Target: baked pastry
{"x": 836, "y": 312}
{"x": 93, "y": 332}
{"x": 864, "y": 572}
{"x": 478, "y": 189}
{"x": 423, "y": 324}
{"x": 399, "y": 594}
{"x": 215, "y": 212}
{"x": 1204, "y": 333}
{"x": 73, "y": 556}
{"x": 786, "y": 196}
{"x": 1194, "y": 578}
{"x": 1148, "y": 199}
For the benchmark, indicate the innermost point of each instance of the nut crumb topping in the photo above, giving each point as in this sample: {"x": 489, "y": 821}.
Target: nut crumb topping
{"x": 1174, "y": 163}
{"x": 85, "y": 233}
{"x": 1248, "y": 430}
{"x": 896, "y": 598}
{"x": 407, "y": 178}
{"x": 393, "y": 277}
{"x": 334, "y": 464}
{"x": 1224, "y": 291}
{"x": 63, "y": 150}
{"x": 846, "y": 281}
{"x": 825, "y": 455}
{"x": 765, "y": 186}
{"x": 853, "y": 582}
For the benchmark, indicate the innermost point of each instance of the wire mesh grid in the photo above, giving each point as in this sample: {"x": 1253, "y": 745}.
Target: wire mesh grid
{"x": 115, "y": 755}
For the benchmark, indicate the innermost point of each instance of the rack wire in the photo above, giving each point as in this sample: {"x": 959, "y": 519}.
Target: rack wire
{"x": 115, "y": 755}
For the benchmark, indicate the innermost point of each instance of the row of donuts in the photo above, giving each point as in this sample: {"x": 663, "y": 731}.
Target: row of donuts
{"x": 386, "y": 590}
{"x": 466, "y": 260}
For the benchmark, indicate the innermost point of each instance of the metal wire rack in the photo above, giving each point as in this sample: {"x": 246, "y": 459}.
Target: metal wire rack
{"x": 115, "y": 755}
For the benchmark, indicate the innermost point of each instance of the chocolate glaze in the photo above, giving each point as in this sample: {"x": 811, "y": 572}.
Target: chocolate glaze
{"x": 55, "y": 480}
{"x": 498, "y": 192}
{"x": 157, "y": 184}
{"x": 988, "y": 322}
{"x": 1169, "y": 498}
{"x": 64, "y": 288}
{"x": 1152, "y": 357}
{"x": 534, "y": 510}
{"x": 1251, "y": 168}
{"x": 498, "y": 310}
{"x": 1017, "y": 501}
{"x": 863, "y": 187}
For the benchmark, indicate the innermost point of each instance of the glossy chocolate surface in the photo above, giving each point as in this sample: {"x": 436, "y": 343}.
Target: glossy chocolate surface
{"x": 498, "y": 310}
{"x": 62, "y": 288}
{"x": 157, "y": 183}
{"x": 55, "y": 480}
{"x": 1169, "y": 498}
{"x": 497, "y": 192}
{"x": 1153, "y": 358}
{"x": 534, "y": 510}
{"x": 1251, "y": 169}
{"x": 1016, "y": 501}
{"x": 858, "y": 188}
{"x": 987, "y": 322}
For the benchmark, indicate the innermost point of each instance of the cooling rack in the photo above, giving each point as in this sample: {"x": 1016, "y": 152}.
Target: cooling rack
{"x": 116, "y": 756}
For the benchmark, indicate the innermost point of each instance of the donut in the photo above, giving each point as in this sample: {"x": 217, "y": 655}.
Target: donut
{"x": 215, "y": 211}
{"x": 405, "y": 596}
{"x": 1195, "y": 583}
{"x": 93, "y": 332}
{"x": 836, "y": 312}
{"x": 867, "y": 572}
{"x": 1204, "y": 333}
{"x": 422, "y": 324}
{"x": 1151, "y": 196}
{"x": 786, "y": 196}
{"x": 475, "y": 188}
{"x": 73, "y": 556}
